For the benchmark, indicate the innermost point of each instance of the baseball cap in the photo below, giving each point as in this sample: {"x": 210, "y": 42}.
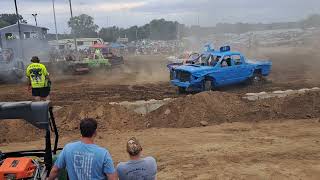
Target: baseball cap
{"x": 35, "y": 59}
{"x": 133, "y": 146}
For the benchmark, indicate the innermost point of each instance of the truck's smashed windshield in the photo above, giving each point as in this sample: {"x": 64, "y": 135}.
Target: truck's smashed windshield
{"x": 209, "y": 60}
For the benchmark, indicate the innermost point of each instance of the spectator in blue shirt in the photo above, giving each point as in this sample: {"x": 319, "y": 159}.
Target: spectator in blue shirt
{"x": 83, "y": 159}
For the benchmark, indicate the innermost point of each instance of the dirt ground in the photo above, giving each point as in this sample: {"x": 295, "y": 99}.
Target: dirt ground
{"x": 268, "y": 139}
{"x": 281, "y": 149}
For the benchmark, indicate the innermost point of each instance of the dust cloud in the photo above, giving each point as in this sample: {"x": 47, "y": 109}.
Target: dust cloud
{"x": 136, "y": 70}
{"x": 291, "y": 64}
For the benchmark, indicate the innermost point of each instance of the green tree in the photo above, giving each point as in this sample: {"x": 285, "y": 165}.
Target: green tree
{"x": 144, "y": 32}
{"x": 109, "y": 34}
{"x": 83, "y": 26}
{"x": 9, "y": 19}
{"x": 163, "y": 30}
{"x": 155, "y": 30}
{"x": 3, "y": 23}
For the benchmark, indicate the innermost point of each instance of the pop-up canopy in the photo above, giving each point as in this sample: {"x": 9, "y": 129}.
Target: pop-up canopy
{"x": 98, "y": 45}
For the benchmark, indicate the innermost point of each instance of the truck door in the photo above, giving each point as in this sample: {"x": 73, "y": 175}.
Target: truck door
{"x": 228, "y": 71}
{"x": 242, "y": 70}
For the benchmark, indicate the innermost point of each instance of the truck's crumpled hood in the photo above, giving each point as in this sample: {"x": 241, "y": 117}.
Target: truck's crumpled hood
{"x": 195, "y": 70}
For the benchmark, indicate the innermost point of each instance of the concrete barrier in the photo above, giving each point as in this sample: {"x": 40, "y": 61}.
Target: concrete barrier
{"x": 277, "y": 94}
{"x": 143, "y": 107}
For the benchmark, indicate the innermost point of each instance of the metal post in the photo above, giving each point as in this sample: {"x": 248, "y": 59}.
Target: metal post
{"x": 178, "y": 31}
{"x": 55, "y": 21}
{"x": 19, "y": 28}
{"x": 137, "y": 34}
{"x": 74, "y": 36}
{"x": 198, "y": 20}
{"x": 35, "y": 18}
{"x": 70, "y": 5}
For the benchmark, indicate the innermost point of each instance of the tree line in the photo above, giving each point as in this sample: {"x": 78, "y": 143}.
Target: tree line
{"x": 9, "y": 19}
{"x": 159, "y": 29}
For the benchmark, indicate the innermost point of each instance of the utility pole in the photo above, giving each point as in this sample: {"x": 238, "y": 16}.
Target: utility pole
{"x": 198, "y": 20}
{"x": 74, "y": 36}
{"x": 19, "y": 28}
{"x": 35, "y": 18}
{"x": 178, "y": 31}
{"x": 55, "y": 21}
{"x": 137, "y": 33}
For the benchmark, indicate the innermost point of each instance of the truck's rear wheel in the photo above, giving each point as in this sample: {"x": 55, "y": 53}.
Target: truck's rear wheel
{"x": 257, "y": 78}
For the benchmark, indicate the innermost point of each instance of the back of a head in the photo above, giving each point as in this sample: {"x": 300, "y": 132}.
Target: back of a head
{"x": 88, "y": 127}
{"x": 133, "y": 147}
{"x": 35, "y": 59}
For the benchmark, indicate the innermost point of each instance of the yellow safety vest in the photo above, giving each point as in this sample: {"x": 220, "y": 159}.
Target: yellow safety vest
{"x": 37, "y": 74}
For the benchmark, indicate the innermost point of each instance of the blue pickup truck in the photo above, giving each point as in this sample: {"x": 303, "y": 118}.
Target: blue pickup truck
{"x": 219, "y": 68}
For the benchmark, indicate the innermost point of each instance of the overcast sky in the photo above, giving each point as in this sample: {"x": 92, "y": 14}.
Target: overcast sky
{"x": 125, "y": 13}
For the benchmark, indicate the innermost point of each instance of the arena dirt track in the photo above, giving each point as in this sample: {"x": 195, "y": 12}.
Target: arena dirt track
{"x": 146, "y": 77}
{"x": 275, "y": 139}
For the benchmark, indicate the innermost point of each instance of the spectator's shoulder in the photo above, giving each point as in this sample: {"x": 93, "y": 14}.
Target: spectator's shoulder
{"x": 102, "y": 149}
{"x": 71, "y": 145}
{"x": 121, "y": 165}
{"x": 150, "y": 158}
{"x": 150, "y": 161}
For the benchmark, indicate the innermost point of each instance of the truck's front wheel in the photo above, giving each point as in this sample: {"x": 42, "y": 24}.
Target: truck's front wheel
{"x": 171, "y": 75}
{"x": 207, "y": 85}
{"x": 181, "y": 90}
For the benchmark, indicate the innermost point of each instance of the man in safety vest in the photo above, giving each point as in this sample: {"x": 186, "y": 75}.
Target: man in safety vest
{"x": 38, "y": 80}
{"x": 98, "y": 54}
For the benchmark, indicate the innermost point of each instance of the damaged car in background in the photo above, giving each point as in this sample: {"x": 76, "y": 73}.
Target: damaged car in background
{"x": 11, "y": 69}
